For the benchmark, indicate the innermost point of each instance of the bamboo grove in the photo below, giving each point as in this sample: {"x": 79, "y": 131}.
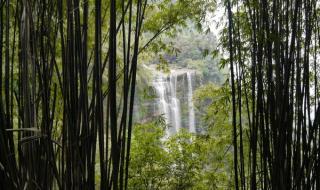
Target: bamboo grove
{"x": 274, "y": 64}
{"x": 62, "y": 120}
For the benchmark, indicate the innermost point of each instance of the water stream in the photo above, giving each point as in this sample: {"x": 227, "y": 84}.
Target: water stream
{"x": 192, "y": 128}
{"x": 170, "y": 101}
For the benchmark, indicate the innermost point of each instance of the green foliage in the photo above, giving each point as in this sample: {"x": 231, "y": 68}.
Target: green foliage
{"x": 163, "y": 65}
{"x": 149, "y": 164}
{"x": 164, "y": 13}
{"x": 169, "y": 17}
{"x": 213, "y": 102}
{"x": 191, "y": 49}
{"x": 214, "y": 105}
{"x": 185, "y": 160}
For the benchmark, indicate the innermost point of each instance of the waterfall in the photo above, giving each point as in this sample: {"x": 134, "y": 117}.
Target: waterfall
{"x": 160, "y": 85}
{"x": 175, "y": 103}
{"x": 173, "y": 95}
{"x": 169, "y": 104}
{"x": 192, "y": 128}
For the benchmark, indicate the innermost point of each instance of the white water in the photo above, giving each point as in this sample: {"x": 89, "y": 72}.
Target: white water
{"x": 192, "y": 128}
{"x": 169, "y": 106}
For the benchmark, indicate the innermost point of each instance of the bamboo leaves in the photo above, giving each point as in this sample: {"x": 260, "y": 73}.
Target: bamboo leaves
{"x": 65, "y": 121}
{"x": 283, "y": 138}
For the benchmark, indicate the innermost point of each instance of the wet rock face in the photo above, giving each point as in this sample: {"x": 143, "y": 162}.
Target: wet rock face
{"x": 171, "y": 96}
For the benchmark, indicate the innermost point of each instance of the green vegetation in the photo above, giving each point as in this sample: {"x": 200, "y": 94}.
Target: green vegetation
{"x": 185, "y": 160}
{"x": 140, "y": 95}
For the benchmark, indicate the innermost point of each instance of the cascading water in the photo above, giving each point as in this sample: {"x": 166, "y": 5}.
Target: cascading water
{"x": 175, "y": 103}
{"x": 192, "y": 128}
{"x": 169, "y": 102}
{"x": 160, "y": 85}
